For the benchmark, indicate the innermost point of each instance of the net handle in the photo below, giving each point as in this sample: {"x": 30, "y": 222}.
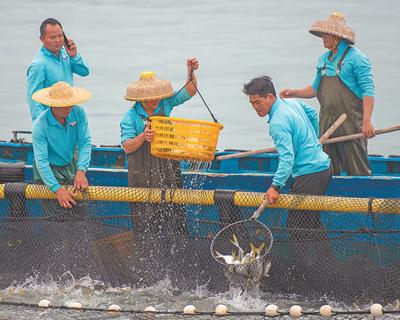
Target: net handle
{"x": 260, "y": 210}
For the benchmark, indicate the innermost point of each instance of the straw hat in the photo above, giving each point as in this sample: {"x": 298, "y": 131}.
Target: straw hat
{"x": 149, "y": 87}
{"x": 61, "y": 94}
{"x": 335, "y": 25}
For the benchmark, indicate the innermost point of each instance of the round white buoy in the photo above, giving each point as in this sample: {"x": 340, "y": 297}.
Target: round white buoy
{"x": 189, "y": 309}
{"x": 325, "y": 310}
{"x": 295, "y": 311}
{"x": 150, "y": 309}
{"x": 44, "y": 303}
{"x": 221, "y": 310}
{"x": 271, "y": 310}
{"x": 74, "y": 305}
{"x": 114, "y": 307}
{"x": 376, "y": 310}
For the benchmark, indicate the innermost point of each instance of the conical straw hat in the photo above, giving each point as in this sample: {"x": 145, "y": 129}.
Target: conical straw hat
{"x": 61, "y": 94}
{"x": 149, "y": 87}
{"x": 335, "y": 25}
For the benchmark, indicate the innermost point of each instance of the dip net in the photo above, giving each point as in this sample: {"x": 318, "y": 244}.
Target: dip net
{"x": 344, "y": 248}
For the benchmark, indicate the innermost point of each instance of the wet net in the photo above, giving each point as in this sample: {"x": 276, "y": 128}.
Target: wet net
{"x": 345, "y": 248}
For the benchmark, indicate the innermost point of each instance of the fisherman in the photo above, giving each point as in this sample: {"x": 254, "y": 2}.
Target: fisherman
{"x": 343, "y": 83}
{"x": 56, "y": 60}
{"x": 293, "y": 126}
{"x": 57, "y": 133}
{"x": 155, "y": 225}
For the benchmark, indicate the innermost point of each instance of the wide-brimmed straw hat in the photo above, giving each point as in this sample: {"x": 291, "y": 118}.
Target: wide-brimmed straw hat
{"x": 61, "y": 94}
{"x": 335, "y": 25}
{"x": 148, "y": 88}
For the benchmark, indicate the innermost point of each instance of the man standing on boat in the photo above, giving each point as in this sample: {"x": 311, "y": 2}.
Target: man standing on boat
{"x": 293, "y": 126}
{"x": 343, "y": 84}
{"x": 158, "y": 228}
{"x": 57, "y": 60}
{"x": 57, "y": 133}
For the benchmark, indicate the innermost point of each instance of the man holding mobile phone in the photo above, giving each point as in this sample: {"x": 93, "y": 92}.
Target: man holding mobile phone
{"x": 57, "y": 60}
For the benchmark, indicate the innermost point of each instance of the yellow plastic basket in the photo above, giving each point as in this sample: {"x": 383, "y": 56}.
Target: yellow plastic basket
{"x": 184, "y": 139}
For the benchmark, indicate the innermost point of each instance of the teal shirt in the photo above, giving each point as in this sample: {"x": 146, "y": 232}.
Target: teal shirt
{"x": 293, "y": 125}
{"x": 47, "y": 69}
{"x": 356, "y": 70}
{"x": 55, "y": 144}
{"x": 133, "y": 124}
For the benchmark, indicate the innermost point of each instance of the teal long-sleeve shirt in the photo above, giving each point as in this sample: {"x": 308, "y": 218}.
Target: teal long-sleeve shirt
{"x": 47, "y": 69}
{"x": 293, "y": 126}
{"x": 55, "y": 144}
{"x": 132, "y": 124}
{"x": 356, "y": 72}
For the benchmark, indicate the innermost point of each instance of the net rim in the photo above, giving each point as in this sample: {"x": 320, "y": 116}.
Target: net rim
{"x": 208, "y": 123}
{"x": 263, "y": 225}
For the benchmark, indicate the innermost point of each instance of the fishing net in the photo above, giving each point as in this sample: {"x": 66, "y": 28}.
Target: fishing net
{"x": 346, "y": 248}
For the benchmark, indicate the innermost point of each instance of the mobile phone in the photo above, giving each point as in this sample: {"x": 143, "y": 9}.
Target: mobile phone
{"x": 65, "y": 41}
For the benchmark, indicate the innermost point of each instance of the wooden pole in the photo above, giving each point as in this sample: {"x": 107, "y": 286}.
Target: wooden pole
{"x": 327, "y": 141}
{"x": 360, "y": 135}
{"x": 323, "y": 138}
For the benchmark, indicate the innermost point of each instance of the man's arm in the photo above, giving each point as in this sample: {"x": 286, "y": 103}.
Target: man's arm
{"x": 283, "y": 143}
{"x": 367, "y": 127}
{"x": 35, "y": 82}
{"x": 191, "y": 84}
{"x": 78, "y": 65}
{"x": 40, "y": 151}
{"x": 363, "y": 73}
{"x": 84, "y": 151}
{"x": 305, "y": 93}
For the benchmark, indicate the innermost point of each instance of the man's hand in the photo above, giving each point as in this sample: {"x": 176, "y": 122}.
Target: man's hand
{"x": 368, "y": 129}
{"x": 64, "y": 198}
{"x": 271, "y": 195}
{"x": 148, "y": 133}
{"x": 71, "y": 49}
{"x": 286, "y": 93}
{"x": 192, "y": 64}
{"x": 80, "y": 181}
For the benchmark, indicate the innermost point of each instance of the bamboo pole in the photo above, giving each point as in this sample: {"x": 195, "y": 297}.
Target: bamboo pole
{"x": 360, "y": 135}
{"x": 206, "y": 197}
{"x": 333, "y": 127}
{"x": 327, "y": 141}
{"x": 338, "y": 122}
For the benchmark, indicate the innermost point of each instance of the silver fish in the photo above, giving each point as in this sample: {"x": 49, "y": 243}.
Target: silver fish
{"x": 235, "y": 242}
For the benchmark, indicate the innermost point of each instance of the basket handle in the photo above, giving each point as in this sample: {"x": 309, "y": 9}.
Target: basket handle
{"x": 260, "y": 209}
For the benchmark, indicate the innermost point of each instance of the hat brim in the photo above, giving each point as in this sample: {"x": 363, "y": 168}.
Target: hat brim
{"x": 80, "y": 96}
{"x": 320, "y": 31}
{"x": 143, "y": 99}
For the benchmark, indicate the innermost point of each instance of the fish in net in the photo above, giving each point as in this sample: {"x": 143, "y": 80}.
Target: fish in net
{"x": 242, "y": 247}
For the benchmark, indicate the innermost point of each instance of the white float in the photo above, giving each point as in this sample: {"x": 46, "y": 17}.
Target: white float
{"x": 44, "y": 303}
{"x": 150, "y": 309}
{"x": 189, "y": 309}
{"x": 272, "y": 310}
{"x": 73, "y": 305}
{"x": 325, "y": 310}
{"x": 376, "y": 310}
{"x": 114, "y": 307}
{"x": 221, "y": 310}
{"x": 295, "y": 311}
